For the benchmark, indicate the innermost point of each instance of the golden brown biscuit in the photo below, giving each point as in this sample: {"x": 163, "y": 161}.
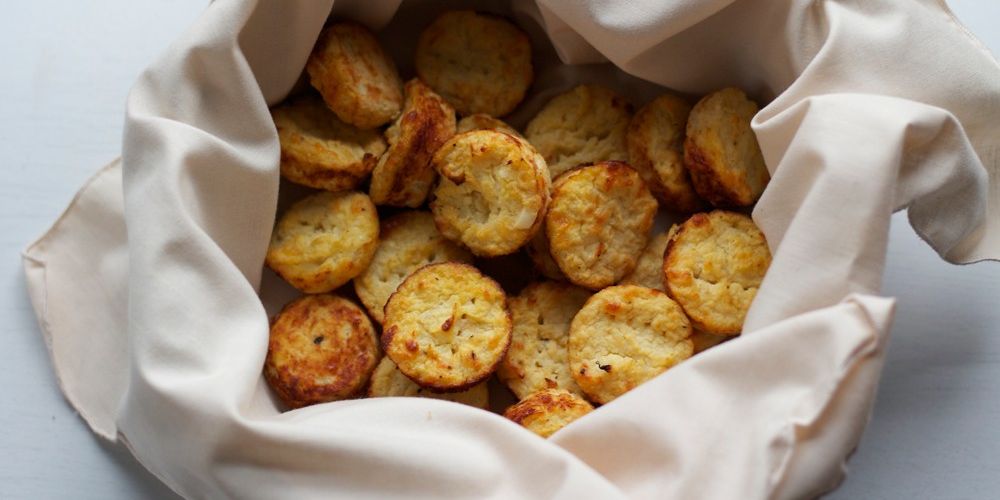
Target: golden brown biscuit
{"x": 404, "y": 174}
{"x": 447, "y": 327}
{"x": 493, "y": 192}
{"x": 598, "y": 223}
{"x": 537, "y": 357}
{"x": 320, "y": 151}
{"x": 324, "y": 240}
{"x": 479, "y": 63}
{"x": 648, "y": 270}
{"x": 388, "y": 381}
{"x": 547, "y": 411}
{"x": 656, "y": 150}
{"x": 585, "y": 125}
{"x": 624, "y": 336}
{"x": 322, "y": 348}
{"x": 356, "y": 77}
{"x": 541, "y": 256}
{"x": 703, "y": 341}
{"x": 485, "y": 122}
{"x": 721, "y": 150}
{"x": 409, "y": 241}
{"x": 713, "y": 267}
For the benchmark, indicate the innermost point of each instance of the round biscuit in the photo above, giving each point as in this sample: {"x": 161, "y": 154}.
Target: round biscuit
{"x": 537, "y": 358}
{"x": 388, "y": 381}
{"x": 324, "y": 240}
{"x": 321, "y": 348}
{"x": 447, "y": 327}
{"x": 356, "y": 78}
{"x": 598, "y": 223}
{"x": 713, "y": 267}
{"x": 404, "y": 174}
{"x": 623, "y": 336}
{"x": 721, "y": 151}
{"x": 480, "y": 121}
{"x": 479, "y": 63}
{"x": 408, "y": 241}
{"x": 648, "y": 270}
{"x": 655, "y": 142}
{"x": 539, "y": 252}
{"x": 546, "y": 411}
{"x": 320, "y": 151}
{"x": 493, "y": 192}
{"x": 585, "y": 125}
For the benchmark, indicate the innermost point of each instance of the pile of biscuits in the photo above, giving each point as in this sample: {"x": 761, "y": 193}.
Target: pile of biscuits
{"x": 413, "y": 213}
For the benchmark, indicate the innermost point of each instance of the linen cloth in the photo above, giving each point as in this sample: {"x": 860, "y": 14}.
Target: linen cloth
{"x": 149, "y": 288}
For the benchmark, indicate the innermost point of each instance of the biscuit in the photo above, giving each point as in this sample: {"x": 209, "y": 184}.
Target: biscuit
{"x": 479, "y": 63}
{"x": 623, "y": 336}
{"x": 598, "y": 223}
{"x": 493, "y": 192}
{"x": 648, "y": 270}
{"x": 322, "y": 348}
{"x": 537, "y": 357}
{"x": 447, "y": 327}
{"x": 324, "y": 240}
{"x": 404, "y": 174}
{"x": 356, "y": 78}
{"x": 485, "y": 122}
{"x": 713, "y": 267}
{"x": 320, "y": 151}
{"x": 541, "y": 256}
{"x": 655, "y": 142}
{"x": 721, "y": 150}
{"x": 547, "y": 411}
{"x": 408, "y": 241}
{"x": 585, "y": 125}
{"x": 388, "y": 381}
{"x": 703, "y": 341}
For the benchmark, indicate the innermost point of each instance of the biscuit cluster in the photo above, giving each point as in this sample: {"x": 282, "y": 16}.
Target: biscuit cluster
{"x": 483, "y": 259}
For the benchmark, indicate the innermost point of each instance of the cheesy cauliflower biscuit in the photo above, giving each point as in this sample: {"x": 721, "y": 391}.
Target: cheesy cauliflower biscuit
{"x": 447, "y": 327}
{"x": 547, "y": 411}
{"x": 356, "y": 78}
{"x": 721, "y": 150}
{"x": 322, "y": 348}
{"x": 485, "y": 122}
{"x": 493, "y": 192}
{"x": 648, "y": 270}
{"x": 388, "y": 381}
{"x": 598, "y": 223}
{"x": 539, "y": 252}
{"x": 320, "y": 151}
{"x": 537, "y": 357}
{"x": 324, "y": 240}
{"x": 404, "y": 174}
{"x": 585, "y": 125}
{"x": 713, "y": 267}
{"x": 479, "y": 63}
{"x": 624, "y": 336}
{"x": 409, "y": 241}
{"x": 655, "y": 141}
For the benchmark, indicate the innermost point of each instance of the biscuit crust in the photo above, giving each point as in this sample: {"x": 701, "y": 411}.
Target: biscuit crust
{"x": 479, "y": 63}
{"x": 324, "y": 240}
{"x": 539, "y": 252}
{"x": 409, "y": 241}
{"x": 624, "y": 336}
{"x": 537, "y": 358}
{"x": 356, "y": 78}
{"x": 482, "y": 121}
{"x": 321, "y": 348}
{"x": 388, "y": 381}
{"x": 598, "y": 223}
{"x": 713, "y": 267}
{"x": 320, "y": 151}
{"x": 493, "y": 192}
{"x": 585, "y": 125}
{"x": 648, "y": 270}
{"x": 447, "y": 327}
{"x": 655, "y": 141}
{"x": 404, "y": 174}
{"x": 721, "y": 150}
{"x": 546, "y": 411}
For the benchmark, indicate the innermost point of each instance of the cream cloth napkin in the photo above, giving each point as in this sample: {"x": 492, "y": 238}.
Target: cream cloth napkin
{"x": 146, "y": 289}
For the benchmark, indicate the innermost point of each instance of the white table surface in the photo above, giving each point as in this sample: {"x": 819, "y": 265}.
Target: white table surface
{"x": 67, "y": 67}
